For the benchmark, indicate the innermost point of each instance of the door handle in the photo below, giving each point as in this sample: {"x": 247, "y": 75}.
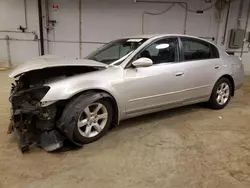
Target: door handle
{"x": 217, "y": 66}
{"x": 179, "y": 73}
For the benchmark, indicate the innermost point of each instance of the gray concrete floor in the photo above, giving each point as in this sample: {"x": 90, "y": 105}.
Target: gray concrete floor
{"x": 189, "y": 147}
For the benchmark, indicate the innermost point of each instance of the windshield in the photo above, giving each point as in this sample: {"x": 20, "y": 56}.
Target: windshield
{"x": 116, "y": 51}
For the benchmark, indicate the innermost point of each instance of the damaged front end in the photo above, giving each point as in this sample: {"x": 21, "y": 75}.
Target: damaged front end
{"x": 33, "y": 123}
{"x": 34, "y": 119}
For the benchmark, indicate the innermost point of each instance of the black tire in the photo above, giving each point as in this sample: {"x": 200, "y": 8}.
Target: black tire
{"x": 213, "y": 98}
{"x": 75, "y": 108}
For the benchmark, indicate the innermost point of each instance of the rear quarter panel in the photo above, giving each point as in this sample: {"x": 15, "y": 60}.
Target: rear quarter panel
{"x": 234, "y": 67}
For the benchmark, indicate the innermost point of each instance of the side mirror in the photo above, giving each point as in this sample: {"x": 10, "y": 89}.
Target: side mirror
{"x": 142, "y": 62}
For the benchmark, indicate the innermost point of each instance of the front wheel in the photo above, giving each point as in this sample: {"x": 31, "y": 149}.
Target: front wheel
{"x": 93, "y": 122}
{"x": 221, "y": 94}
{"x": 90, "y": 119}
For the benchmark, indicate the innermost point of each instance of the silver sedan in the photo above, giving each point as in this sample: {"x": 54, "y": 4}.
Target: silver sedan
{"x": 80, "y": 100}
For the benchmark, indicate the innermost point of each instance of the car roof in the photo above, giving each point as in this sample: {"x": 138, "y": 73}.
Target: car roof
{"x": 143, "y": 36}
{"x": 148, "y": 36}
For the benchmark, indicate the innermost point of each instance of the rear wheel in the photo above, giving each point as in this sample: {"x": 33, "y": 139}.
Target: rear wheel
{"x": 221, "y": 94}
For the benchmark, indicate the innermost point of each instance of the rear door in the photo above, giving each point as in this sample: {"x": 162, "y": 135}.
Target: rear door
{"x": 201, "y": 62}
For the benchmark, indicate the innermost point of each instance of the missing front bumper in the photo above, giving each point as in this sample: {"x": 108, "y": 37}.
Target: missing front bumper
{"x": 36, "y": 126}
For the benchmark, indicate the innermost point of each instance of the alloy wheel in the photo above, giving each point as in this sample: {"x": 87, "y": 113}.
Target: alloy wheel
{"x": 223, "y": 93}
{"x": 92, "y": 120}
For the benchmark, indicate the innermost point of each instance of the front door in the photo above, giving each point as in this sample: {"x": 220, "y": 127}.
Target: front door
{"x": 156, "y": 86}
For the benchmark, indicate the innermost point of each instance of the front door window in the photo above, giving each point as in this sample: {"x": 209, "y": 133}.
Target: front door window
{"x": 162, "y": 51}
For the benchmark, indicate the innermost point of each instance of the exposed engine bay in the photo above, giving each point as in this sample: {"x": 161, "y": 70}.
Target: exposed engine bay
{"x": 33, "y": 123}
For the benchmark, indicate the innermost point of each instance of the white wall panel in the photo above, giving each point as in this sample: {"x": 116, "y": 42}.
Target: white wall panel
{"x": 88, "y": 48}
{"x": 21, "y": 51}
{"x": 11, "y": 16}
{"x": 169, "y": 22}
{"x": 64, "y": 49}
{"x": 3, "y": 51}
{"x": 105, "y": 20}
{"x": 246, "y": 56}
{"x": 67, "y": 18}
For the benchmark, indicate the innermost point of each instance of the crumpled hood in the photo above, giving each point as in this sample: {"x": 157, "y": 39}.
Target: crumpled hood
{"x": 47, "y": 61}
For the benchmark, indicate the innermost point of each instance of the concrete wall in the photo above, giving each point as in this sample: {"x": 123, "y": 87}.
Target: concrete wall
{"x": 104, "y": 20}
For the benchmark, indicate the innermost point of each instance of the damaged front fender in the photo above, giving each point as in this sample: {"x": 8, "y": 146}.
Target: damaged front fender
{"x": 63, "y": 89}
{"x": 32, "y": 118}
{"x": 41, "y": 92}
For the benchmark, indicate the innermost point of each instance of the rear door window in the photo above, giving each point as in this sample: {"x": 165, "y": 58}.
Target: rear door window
{"x": 195, "y": 49}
